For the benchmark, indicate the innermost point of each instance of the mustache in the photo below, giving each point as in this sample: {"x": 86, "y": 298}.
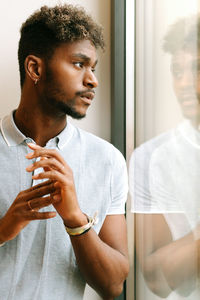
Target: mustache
{"x": 82, "y": 93}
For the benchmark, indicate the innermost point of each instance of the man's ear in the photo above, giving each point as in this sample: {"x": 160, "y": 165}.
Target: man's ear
{"x": 33, "y": 67}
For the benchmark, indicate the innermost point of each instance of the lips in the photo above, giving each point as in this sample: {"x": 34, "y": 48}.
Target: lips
{"x": 87, "y": 97}
{"x": 189, "y": 105}
{"x": 188, "y": 99}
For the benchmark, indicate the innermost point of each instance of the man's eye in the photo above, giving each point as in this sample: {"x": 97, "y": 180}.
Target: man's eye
{"x": 78, "y": 64}
{"x": 177, "y": 72}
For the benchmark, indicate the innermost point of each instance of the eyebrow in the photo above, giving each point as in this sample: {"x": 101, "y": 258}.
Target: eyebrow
{"x": 193, "y": 62}
{"x": 84, "y": 57}
{"x": 195, "y": 58}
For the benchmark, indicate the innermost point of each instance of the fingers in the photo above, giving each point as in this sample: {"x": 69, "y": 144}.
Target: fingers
{"x": 26, "y": 206}
{"x": 54, "y": 166}
{"x": 45, "y": 183}
{"x": 35, "y": 215}
{"x": 54, "y": 175}
{"x": 43, "y": 152}
{"x": 39, "y": 203}
{"x": 37, "y": 191}
{"x": 47, "y": 164}
{"x": 45, "y": 169}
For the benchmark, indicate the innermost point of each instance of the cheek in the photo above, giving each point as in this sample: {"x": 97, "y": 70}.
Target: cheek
{"x": 72, "y": 81}
{"x": 175, "y": 87}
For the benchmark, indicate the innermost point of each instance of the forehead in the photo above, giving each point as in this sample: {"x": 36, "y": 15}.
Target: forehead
{"x": 83, "y": 48}
{"x": 188, "y": 56}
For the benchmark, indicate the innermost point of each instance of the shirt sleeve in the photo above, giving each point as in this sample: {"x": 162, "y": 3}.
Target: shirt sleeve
{"x": 119, "y": 184}
{"x": 152, "y": 177}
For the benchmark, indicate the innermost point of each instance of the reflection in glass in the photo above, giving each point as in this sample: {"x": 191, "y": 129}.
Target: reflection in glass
{"x": 165, "y": 182}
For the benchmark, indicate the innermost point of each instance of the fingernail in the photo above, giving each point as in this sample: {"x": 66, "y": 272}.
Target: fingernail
{"x": 29, "y": 155}
{"x": 29, "y": 168}
{"x": 53, "y": 214}
{"x": 57, "y": 197}
{"x": 35, "y": 176}
{"x": 32, "y": 145}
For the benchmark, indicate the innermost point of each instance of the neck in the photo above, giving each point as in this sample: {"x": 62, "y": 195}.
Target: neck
{"x": 34, "y": 124}
{"x": 195, "y": 123}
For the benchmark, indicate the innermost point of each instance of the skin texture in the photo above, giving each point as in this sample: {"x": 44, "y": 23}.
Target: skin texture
{"x": 169, "y": 265}
{"x": 102, "y": 259}
{"x": 73, "y": 70}
{"x": 185, "y": 68}
{"x": 19, "y": 214}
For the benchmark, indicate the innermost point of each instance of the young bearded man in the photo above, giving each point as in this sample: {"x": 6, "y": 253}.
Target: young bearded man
{"x": 54, "y": 176}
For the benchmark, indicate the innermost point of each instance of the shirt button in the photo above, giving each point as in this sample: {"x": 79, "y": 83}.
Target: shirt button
{"x": 29, "y": 140}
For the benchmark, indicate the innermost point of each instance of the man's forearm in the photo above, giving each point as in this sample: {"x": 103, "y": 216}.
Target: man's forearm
{"x": 178, "y": 263}
{"x": 103, "y": 267}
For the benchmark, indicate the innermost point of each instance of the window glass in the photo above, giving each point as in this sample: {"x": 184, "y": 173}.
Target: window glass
{"x": 164, "y": 169}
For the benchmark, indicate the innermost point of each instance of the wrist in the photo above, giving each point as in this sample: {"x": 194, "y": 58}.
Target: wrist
{"x": 76, "y": 220}
{"x": 77, "y": 231}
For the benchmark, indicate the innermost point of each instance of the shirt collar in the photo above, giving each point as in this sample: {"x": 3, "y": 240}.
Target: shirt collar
{"x": 64, "y": 137}
{"x": 13, "y": 136}
{"x": 191, "y": 134}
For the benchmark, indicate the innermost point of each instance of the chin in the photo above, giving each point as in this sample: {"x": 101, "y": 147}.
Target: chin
{"x": 193, "y": 117}
{"x": 70, "y": 110}
{"x": 75, "y": 114}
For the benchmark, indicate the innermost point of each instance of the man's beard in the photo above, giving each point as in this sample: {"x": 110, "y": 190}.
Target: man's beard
{"x": 65, "y": 108}
{"x": 55, "y": 99}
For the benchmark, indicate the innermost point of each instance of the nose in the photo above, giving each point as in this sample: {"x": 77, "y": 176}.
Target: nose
{"x": 90, "y": 80}
{"x": 187, "y": 79}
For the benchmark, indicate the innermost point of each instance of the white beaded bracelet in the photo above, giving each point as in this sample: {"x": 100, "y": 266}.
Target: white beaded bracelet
{"x": 83, "y": 229}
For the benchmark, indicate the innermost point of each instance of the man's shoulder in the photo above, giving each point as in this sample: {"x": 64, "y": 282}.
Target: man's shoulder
{"x": 144, "y": 153}
{"x": 156, "y": 142}
{"x": 97, "y": 146}
{"x": 93, "y": 140}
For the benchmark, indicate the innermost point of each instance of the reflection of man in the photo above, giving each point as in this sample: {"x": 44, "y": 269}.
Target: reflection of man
{"x": 50, "y": 253}
{"x": 164, "y": 181}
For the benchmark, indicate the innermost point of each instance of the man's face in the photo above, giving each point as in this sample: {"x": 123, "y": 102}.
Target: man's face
{"x": 185, "y": 70}
{"x": 68, "y": 87}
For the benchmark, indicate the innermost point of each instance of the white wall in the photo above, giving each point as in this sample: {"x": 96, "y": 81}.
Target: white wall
{"x": 12, "y": 14}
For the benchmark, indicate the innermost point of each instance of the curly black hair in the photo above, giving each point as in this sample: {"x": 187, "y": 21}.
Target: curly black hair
{"x": 184, "y": 34}
{"x": 49, "y": 27}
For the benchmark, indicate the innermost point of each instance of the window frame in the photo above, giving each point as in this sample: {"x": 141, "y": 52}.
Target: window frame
{"x": 123, "y": 104}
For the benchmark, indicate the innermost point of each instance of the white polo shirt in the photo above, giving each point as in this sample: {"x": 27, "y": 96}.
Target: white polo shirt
{"x": 40, "y": 262}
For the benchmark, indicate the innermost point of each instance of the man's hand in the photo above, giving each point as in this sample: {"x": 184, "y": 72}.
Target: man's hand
{"x": 103, "y": 259}
{"x": 56, "y": 169}
{"x": 25, "y": 209}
